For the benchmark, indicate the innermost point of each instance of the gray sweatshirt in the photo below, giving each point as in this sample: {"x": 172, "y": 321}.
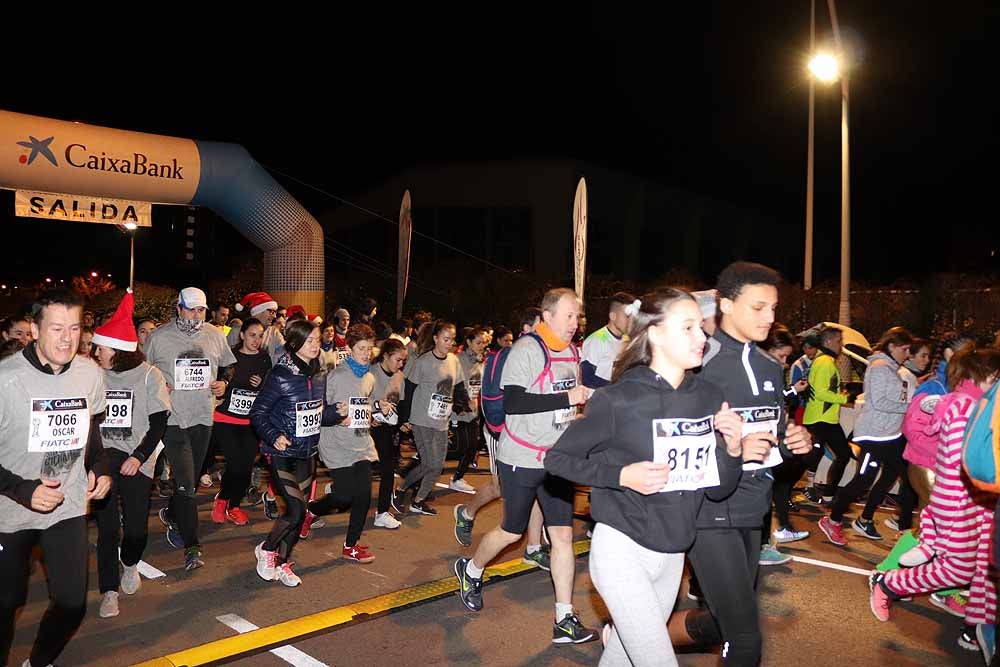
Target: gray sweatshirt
{"x": 886, "y": 400}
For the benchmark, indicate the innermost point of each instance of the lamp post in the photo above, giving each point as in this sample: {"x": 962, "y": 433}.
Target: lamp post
{"x": 131, "y": 227}
{"x": 807, "y": 274}
{"x": 827, "y": 69}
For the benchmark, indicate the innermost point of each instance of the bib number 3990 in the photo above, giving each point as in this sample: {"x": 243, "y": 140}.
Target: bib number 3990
{"x": 688, "y": 445}
{"x": 308, "y": 418}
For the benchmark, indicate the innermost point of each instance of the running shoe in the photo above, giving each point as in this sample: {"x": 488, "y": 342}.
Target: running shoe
{"x": 463, "y": 527}
{"x": 892, "y": 523}
{"x": 813, "y": 496}
{"x": 358, "y": 553}
{"x": 461, "y": 485}
{"x": 422, "y": 508}
{"x": 131, "y": 582}
{"x": 866, "y": 529}
{"x": 833, "y": 531}
{"x": 396, "y": 501}
{"x": 786, "y": 535}
{"x": 306, "y": 525}
{"x": 192, "y": 559}
{"x": 469, "y": 589}
{"x": 571, "y": 631}
{"x": 285, "y": 575}
{"x": 386, "y": 520}
{"x": 967, "y": 638}
{"x": 954, "y": 603}
{"x": 270, "y": 507}
{"x": 109, "y": 605}
{"x": 771, "y": 556}
{"x": 219, "y": 507}
{"x": 267, "y": 562}
{"x": 879, "y": 602}
{"x": 237, "y": 516}
{"x": 206, "y": 480}
{"x": 542, "y": 558}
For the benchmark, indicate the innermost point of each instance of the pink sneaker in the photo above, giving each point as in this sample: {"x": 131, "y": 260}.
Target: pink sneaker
{"x": 306, "y": 525}
{"x": 879, "y": 602}
{"x": 833, "y": 531}
{"x": 954, "y": 604}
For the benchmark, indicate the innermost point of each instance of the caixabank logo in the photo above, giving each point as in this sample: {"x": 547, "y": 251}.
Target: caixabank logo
{"x": 78, "y": 156}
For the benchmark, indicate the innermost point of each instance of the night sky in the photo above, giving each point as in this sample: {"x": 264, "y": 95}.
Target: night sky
{"x": 711, "y": 98}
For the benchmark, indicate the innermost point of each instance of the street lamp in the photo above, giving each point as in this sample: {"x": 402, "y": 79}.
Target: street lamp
{"x": 825, "y": 67}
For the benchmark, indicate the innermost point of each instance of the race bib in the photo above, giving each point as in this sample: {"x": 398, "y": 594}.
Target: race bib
{"x": 240, "y": 401}
{"x": 763, "y": 419}
{"x": 439, "y": 406}
{"x": 564, "y": 415}
{"x": 119, "y": 414}
{"x": 342, "y": 353}
{"x": 58, "y": 424}
{"x": 688, "y": 445}
{"x": 191, "y": 374}
{"x": 308, "y": 417}
{"x": 474, "y": 387}
{"x": 360, "y": 412}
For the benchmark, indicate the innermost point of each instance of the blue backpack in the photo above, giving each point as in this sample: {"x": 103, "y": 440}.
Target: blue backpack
{"x": 981, "y": 443}
{"x": 490, "y": 393}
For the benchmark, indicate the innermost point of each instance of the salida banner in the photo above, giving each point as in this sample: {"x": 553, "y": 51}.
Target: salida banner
{"x": 52, "y": 206}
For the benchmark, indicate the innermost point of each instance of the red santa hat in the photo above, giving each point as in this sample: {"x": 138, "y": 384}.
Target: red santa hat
{"x": 257, "y": 303}
{"x": 119, "y": 332}
{"x": 294, "y": 310}
{"x": 315, "y": 319}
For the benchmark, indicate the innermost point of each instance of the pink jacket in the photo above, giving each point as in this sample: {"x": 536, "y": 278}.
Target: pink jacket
{"x": 921, "y": 428}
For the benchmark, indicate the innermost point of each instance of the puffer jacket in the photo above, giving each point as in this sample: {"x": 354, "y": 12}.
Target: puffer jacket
{"x": 273, "y": 413}
{"x": 921, "y": 438}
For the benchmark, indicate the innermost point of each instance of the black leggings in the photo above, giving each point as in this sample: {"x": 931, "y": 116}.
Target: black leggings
{"x": 725, "y": 561}
{"x": 352, "y": 487}
{"x": 884, "y": 457}
{"x": 388, "y": 455}
{"x": 134, "y": 523}
{"x": 785, "y": 476}
{"x": 292, "y": 479}
{"x": 833, "y": 438}
{"x": 239, "y": 445}
{"x": 467, "y": 435}
{"x": 64, "y": 550}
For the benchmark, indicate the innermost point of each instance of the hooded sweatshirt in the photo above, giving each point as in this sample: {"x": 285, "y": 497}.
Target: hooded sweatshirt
{"x": 617, "y": 429}
{"x": 921, "y": 439}
{"x": 880, "y": 418}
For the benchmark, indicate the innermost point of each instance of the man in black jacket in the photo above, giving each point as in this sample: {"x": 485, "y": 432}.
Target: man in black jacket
{"x": 726, "y": 551}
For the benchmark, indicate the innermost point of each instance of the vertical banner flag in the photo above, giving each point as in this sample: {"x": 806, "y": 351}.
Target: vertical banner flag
{"x": 403, "y": 270}
{"x": 580, "y": 236}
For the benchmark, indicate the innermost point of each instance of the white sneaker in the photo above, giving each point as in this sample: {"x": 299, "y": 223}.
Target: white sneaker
{"x": 285, "y": 575}
{"x": 131, "y": 581}
{"x": 109, "y": 605}
{"x": 328, "y": 489}
{"x": 206, "y": 480}
{"x": 27, "y": 663}
{"x": 785, "y": 536}
{"x": 461, "y": 485}
{"x": 267, "y": 563}
{"x": 386, "y": 520}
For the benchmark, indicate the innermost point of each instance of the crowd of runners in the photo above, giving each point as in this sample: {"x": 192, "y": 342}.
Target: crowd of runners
{"x": 688, "y": 417}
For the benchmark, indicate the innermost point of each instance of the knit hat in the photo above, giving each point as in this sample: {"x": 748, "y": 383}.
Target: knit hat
{"x": 119, "y": 331}
{"x": 707, "y": 302}
{"x": 340, "y": 313}
{"x": 257, "y": 303}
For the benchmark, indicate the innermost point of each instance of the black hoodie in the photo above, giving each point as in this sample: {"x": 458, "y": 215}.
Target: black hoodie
{"x": 617, "y": 430}
{"x": 748, "y": 378}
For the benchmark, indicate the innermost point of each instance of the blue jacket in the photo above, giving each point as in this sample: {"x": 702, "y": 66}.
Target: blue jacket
{"x": 273, "y": 412}
{"x": 937, "y": 385}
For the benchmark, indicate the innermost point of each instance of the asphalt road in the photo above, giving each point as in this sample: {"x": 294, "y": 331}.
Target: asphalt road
{"x": 812, "y": 615}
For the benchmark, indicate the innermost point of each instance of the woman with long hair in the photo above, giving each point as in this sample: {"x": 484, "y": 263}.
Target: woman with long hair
{"x": 646, "y": 491}
{"x": 879, "y": 432}
{"x": 435, "y": 386}
{"x": 387, "y": 368}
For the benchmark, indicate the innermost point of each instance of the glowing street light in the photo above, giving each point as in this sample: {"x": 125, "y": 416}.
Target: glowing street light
{"x": 93, "y": 274}
{"x": 825, "y": 67}
{"x": 48, "y": 280}
{"x": 131, "y": 226}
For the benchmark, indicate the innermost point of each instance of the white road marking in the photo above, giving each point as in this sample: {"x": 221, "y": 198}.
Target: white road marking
{"x": 375, "y": 573}
{"x": 833, "y": 566}
{"x": 145, "y": 569}
{"x": 289, "y": 654}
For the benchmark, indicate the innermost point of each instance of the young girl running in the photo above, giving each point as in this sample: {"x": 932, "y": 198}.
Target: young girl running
{"x": 387, "y": 369}
{"x": 650, "y": 444}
